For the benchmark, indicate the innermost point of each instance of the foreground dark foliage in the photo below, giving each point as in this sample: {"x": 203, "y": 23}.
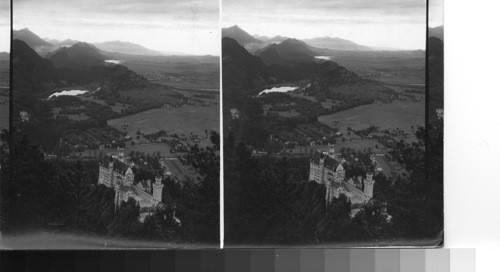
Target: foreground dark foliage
{"x": 39, "y": 194}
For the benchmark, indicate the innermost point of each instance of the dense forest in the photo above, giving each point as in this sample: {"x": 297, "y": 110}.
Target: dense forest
{"x": 40, "y": 194}
{"x": 269, "y": 200}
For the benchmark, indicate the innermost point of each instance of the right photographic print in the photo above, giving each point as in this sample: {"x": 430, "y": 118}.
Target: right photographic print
{"x": 333, "y": 123}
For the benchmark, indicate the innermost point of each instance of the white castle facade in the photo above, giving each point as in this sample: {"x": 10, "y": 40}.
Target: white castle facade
{"x": 326, "y": 169}
{"x": 114, "y": 173}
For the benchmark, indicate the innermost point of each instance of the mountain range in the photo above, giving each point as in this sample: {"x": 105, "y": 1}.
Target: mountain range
{"x": 288, "y": 52}
{"x": 437, "y": 32}
{"x": 256, "y": 42}
{"x": 127, "y": 48}
{"x": 249, "y": 42}
{"x": 4, "y": 56}
{"x": 290, "y": 61}
{"x": 35, "y": 75}
{"x": 40, "y": 45}
{"x": 80, "y": 55}
{"x": 45, "y": 46}
{"x": 275, "y": 39}
{"x": 336, "y": 44}
{"x": 31, "y": 70}
{"x": 241, "y": 70}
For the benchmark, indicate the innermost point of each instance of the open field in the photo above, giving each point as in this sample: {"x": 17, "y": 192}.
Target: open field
{"x": 190, "y": 72}
{"x": 116, "y": 107}
{"x": 182, "y": 120}
{"x": 397, "y": 114}
{"x": 384, "y": 66}
{"x": 355, "y": 144}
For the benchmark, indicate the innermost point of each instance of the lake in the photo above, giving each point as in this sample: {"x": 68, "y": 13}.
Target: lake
{"x": 282, "y": 89}
{"x": 68, "y": 92}
{"x": 324, "y": 57}
{"x": 114, "y": 61}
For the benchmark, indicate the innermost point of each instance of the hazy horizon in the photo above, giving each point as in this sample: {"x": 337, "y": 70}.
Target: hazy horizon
{"x": 185, "y": 26}
{"x": 386, "y": 23}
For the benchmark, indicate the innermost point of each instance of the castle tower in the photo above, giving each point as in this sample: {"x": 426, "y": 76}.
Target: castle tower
{"x": 340, "y": 173}
{"x": 368, "y": 191}
{"x": 111, "y": 182}
{"x": 157, "y": 189}
{"x": 331, "y": 151}
{"x": 312, "y": 170}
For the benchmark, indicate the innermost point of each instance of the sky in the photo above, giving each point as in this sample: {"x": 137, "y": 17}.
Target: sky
{"x": 436, "y": 13}
{"x": 184, "y": 26}
{"x": 4, "y": 25}
{"x": 379, "y": 23}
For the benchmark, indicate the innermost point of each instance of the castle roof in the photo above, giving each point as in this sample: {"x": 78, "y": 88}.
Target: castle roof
{"x": 331, "y": 163}
{"x": 105, "y": 161}
{"x": 317, "y": 157}
{"x": 120, "y": 167}
{"x": 143, "y": 184}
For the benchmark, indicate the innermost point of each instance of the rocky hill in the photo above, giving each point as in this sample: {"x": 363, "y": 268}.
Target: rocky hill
{"x": 80, "y": 55}
{"x": 288, "y": 52}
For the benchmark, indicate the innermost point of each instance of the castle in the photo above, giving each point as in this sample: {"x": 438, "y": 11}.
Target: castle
{"x": 114, "y": 173}
{"x": 326, "y": 169}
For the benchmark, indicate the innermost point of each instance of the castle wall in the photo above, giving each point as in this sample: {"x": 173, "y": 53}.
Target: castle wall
{"x": 142, "y": 194}
{"x": 323, "y": 175}
{"x": 104, "y": 176}
{"x": 354, "y": 190}
{"x": 316, "y": 173}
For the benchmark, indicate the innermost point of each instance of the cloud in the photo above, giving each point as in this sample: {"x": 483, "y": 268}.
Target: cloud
{"x": 351, "y": 19}
{"x": 167, "y": 21}
{"x": 178, "y": 9}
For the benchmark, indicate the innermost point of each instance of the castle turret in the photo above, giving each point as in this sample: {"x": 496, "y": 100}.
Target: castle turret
{"x": 157, "y": 189}
{"x": 331, "y": 151}
{"x": 369, "y": 182}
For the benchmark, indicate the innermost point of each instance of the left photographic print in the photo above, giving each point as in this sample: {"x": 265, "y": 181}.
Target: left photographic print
{"x": 115, "y": 129}
{"x": 4, "y": 63}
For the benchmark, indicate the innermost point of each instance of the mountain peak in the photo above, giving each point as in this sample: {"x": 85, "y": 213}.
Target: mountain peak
{"x": 437, "y": 32}
{"x": 25, "y": 30}
{"x": 80, "y": 55}
{"x": 292, "y": 40}
{"x": 241, "y": 36}
{"x": 236, "y": 27}
{"x": 289, "y": 51}
{"x": 82, "y": 44}
{"x": 30, "y": 38}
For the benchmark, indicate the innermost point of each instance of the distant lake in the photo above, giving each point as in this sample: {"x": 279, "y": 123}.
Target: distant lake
{"x": 68, "y": 92}
{"x": 282, "y": 89}
{"x": 114, "y": 61}
{"x": 324, "y": 57}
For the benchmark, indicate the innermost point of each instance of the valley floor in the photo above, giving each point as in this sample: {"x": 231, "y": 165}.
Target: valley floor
{"x": 397, "y": 114}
